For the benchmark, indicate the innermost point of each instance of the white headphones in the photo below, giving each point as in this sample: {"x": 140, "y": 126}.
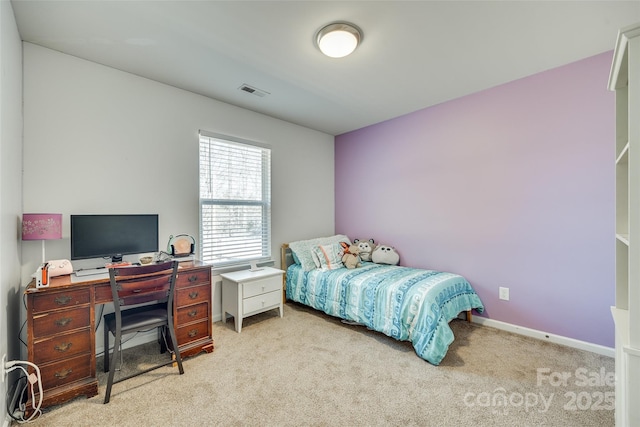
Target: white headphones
{"x": 174, "y": 239}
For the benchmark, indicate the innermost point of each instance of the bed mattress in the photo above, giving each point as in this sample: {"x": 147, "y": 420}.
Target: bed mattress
{"x": 407, "y": 304}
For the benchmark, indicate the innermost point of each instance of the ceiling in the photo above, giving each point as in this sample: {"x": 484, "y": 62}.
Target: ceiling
{"x": 414, "y": 54}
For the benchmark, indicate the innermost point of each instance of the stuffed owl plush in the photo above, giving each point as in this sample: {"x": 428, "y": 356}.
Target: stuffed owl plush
{"x": 385, "y": 255}
{"x": 366, "y": 248}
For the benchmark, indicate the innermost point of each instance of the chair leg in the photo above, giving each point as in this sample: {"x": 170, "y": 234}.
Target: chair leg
{"x": 112, "y": 365}
{"x": 106, "y": 353}
{"x": 174, "y": 343}
{"x": 162, "y": 339}
{"x": 106, "y": 349}
{"x": 121, "y": 358}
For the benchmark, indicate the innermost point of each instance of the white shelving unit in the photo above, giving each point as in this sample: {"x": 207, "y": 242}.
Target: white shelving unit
{"x": 625, "y": 81}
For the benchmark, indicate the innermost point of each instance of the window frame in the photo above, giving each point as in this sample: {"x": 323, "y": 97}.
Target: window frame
{"x": 264, "y": 202}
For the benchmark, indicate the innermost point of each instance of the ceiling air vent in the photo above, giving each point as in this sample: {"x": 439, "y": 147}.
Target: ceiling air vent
{"x": 253, "y": 90}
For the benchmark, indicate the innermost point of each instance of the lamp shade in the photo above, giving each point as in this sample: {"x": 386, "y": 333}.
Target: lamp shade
{"x": 44, "y": 226}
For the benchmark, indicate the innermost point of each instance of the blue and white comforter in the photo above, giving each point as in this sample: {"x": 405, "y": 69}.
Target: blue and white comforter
{"x": 407, "y": 304}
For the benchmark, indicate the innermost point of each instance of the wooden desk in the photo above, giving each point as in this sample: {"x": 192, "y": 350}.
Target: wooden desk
{"x": 61, "y": 328}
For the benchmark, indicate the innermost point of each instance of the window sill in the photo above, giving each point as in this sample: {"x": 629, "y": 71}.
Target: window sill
{"x": 237, "y": 267}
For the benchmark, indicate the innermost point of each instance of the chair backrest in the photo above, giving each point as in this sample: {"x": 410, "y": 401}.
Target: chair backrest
{"x": 144, "y": 284}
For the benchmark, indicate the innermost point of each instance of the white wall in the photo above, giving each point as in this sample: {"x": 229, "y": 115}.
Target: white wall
{"x": 10, "y": 189}
{"x": 99, "y": 140}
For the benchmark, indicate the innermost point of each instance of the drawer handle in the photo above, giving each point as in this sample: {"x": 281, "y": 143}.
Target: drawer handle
{"x": 63, "y": 321}
{"x": 192, "y": 313}
{"x": 63, "y": 374}
{"x": 192, "y": 278}
{"x": 63, "y": 300}
{"x": 61, "y": 348}
{"x": 192, "y": 333}
{"x": 193, "y": 295}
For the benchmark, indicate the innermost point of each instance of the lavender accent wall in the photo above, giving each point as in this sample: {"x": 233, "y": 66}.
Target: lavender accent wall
{"x": 512, "y": 186}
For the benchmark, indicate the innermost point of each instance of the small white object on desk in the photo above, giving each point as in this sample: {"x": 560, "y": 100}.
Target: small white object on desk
{"x": 247, "y": 292}
{"x": 42, "y": 276}
{"x": 254, "y": 266}
{"x": 99, "y": 273}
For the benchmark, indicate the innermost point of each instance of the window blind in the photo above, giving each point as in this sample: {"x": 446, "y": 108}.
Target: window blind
{"x": 235, "y": 201}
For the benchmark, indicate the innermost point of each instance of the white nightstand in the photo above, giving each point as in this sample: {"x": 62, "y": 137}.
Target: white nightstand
{"x": 246, "y": 292}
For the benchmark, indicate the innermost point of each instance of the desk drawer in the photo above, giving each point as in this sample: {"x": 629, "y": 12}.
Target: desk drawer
{"x": 189, "y": 278}
{"x": 66, "y": 371}
{"x": 193, "y": 295}
{"x": 193, "y": 332}
{"x": 260, "y": 302}
{"x": 193, "y": 313}
{"x": 262, "y": 286}
{"x": 62, "y": 346}
{"x": 58, "y": 300}
{"x": 102, "y": 293}
{"x": 57, "y": 322}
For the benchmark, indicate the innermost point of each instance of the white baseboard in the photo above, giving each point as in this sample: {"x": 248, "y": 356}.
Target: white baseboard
{"x": 544, "y": 336}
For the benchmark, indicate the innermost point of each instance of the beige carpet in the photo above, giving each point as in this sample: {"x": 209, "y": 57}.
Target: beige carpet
{"x": 308, "y": 369}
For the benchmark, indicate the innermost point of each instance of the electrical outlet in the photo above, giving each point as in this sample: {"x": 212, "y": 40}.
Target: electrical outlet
{"x": 2, "y": 371}
{"x": 504, "y": 293}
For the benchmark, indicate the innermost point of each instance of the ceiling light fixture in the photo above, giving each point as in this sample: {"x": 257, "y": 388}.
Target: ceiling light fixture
{"x": 338, "y": 39}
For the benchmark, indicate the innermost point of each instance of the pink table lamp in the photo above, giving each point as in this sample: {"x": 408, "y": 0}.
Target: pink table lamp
{"x": 43, "y": 227}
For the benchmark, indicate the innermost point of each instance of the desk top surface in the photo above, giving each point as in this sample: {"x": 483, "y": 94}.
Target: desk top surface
{"x": 67, "y": 280}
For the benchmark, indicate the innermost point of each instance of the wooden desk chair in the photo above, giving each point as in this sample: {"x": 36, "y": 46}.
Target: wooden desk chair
{"x": 151, "y": 289}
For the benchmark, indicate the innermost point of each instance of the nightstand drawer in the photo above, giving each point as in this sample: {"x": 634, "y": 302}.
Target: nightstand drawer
{"x": 193, "y": 295}
{"x": 260, "y": 302}
{"x": 262, "y": 286}
{"x": 193, "y": 313}
{"x": 62, "y": 346}
{"x": 57, "y": 322}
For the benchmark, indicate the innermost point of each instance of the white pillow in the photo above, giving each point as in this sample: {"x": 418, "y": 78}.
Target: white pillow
{"x": 302, "y": 249}
{"x": 328, "y": 257}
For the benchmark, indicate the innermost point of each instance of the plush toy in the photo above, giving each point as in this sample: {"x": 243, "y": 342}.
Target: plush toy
{"x": 366, "y": 248}
{"x": 351, "y": 257}
{"x": 385, "y": 255}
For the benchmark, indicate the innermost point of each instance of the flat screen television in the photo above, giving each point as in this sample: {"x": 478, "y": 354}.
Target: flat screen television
{"x": 102, "y": 236}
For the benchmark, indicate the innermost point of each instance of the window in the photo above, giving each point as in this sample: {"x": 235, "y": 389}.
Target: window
{"x": 235, "y": 200}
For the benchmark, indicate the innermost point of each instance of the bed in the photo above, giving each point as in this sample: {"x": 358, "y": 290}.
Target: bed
{"x": 407, "y": 304}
